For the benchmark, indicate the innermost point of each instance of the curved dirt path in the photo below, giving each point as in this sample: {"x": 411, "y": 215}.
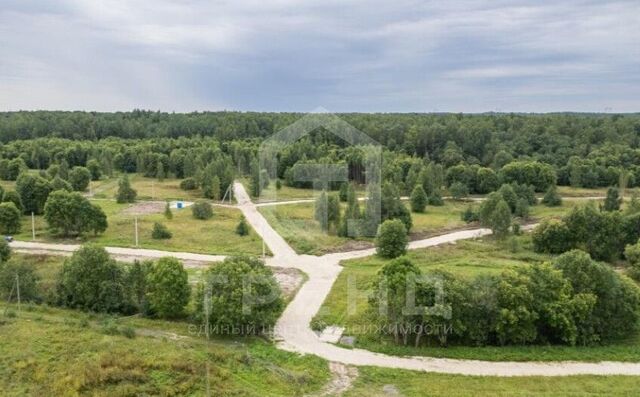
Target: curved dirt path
{"x": 294, "y": 333}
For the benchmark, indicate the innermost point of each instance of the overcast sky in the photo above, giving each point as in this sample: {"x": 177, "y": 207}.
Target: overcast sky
{"x": 285, "y": 55}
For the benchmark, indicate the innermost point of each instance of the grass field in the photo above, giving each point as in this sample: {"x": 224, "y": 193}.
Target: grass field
{"x": 377, "y": 382}
{"x": 214, "y": 236}
{"x": 47, "y": 351}
{"x": 466, "y": 259}
{"x": 296, "y": 224}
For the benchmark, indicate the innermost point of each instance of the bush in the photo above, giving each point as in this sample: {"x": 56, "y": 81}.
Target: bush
{"x": 435, "y": 198}
{"x": 5, "y": 251}
{"x": 612, "y": 201}
{"x": 459, "y": 191}
{"x": 202, "y": 210}
{"x": 188, "y": 184}
{"x": 27, "y": 276}
{"x": 9, "y": 218}
{"x": 552, "y": 236}
{"x": 632, "y": 253}
{"x": 552, "y": 198}
{"x": 242, "y": 229}
{"x": 418, "y": 199}
{"x": 470, "y": 214}
{"x": 522, "y": 209}
{"x": 79, "y": 178}
{"x": 160, "y": 232}
{"x": 126, "y": 194}
{"x": 90, "y": 280}
{"x": 391, "y": 240}
{"x": 168, "y": 288}
{"x": 11, "y": 196}
{"x": 231, "y": 304}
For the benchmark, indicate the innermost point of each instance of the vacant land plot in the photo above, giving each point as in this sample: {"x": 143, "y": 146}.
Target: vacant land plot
{"x": 214, "y": 236}
{"x": 466, "y": 259}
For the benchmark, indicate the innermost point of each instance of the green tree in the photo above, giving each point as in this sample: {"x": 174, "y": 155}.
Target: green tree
{"x": 11, "y": 196}
{"x": 552, "y": 198}
{"x": 500, "y": 220}
{"x": 333, "y": 211}
{"x": 390, "y": 293}
{"x": 90, "y": 280}
{"x": 15, "y": 167}
{"x": 136, "y": 282}
{"x": 509, "y": 195}
{"x": 254, "y": 183}
{"x": 9, "y": 218}
{"x": 168, "y": 288}
{"x": 63, "y": 170}
{"x": 552, "y": 236}
{"x": 69, "y": 213}
{"x": 160, "y": 232}
{"x": 459, "y": 191}
{"x": 243, "y": 228}
{"x": 522, "y": 209}
{"x": 58, "y": 183}
{"x": 160, "y": 172}
{"x": 126, "y": 194}
{"x": 240, "y": 292}
{"x": 632, "y": 253}
{"x": 24, "y": 272}
{"x": 435, "y": 198}
{"x": 612, "y": 201}
{"x": 79, "y": 178}
{"x": 321, "y": 211}
{"x": 418, "y": 199}
{"x": 344, "y": 191}
{"x": 391, "y": 240}
{"x": 201, "y": 209}
{"x": 167, "y": 211}
{"x": 5, "y": 251}
{"x": 33, "y": 191}
{"x": 95, "y": 169}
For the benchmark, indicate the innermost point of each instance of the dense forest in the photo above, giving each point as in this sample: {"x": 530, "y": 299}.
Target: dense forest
{"x": 587, "y": 150}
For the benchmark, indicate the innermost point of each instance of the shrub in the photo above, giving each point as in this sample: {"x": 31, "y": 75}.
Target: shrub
{"x": 90, "y": 280}
{"x": 612, "y": 201}
{"x": 9, "y": 218}
{"x": 391, "y": 240}
{"x": 522, "y": 209}
{"x": 126, "y": 194}
{"x": 459, "y": 190}
{"x": 435, "y": 198}
{"x": 11, "y": 196}
{"x": 552, "y": 198}
{"x": 79, "y": 178}
{"x": 160, "y": 232}
{"x": 552, "y": 236}
{"x": 240, "y": 292}
{"x": 5, "y": 251}
{"x": 27, "y": 276}
{"x": 188, "y": 184}
{"x": 202, "y": 210}
{"x": 242, "y": 229}
{"x": 344, "y": 192}
{"x": 470, "y": 214}
{"x": 418, "y": 199}
{"x": 167, "y": 211}
{"x": 168, "y": 288}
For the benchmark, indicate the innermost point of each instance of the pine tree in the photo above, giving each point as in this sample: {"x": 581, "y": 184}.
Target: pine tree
{"x": 418, "y": 199}
{"x": 126, "y": 194}
{"x": 612, "y": 202}
{"x": 322, "y": 211}
{"x": 160, "y": 173}
{"x": 167, "y": 211}
{"x": 242, "y": 229}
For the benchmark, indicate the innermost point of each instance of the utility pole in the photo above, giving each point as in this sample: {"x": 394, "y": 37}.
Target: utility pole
{"x": 136, "y": 225}
{"x": 18, "y": 290}
{"x": 153, "y": 190}
{"x": 33, "y": 226}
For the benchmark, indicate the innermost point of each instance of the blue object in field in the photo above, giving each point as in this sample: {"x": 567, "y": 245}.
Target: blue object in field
{"x": 179, "y": 205}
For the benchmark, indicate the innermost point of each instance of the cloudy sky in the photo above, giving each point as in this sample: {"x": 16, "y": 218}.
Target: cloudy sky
{"x": 343, "y": 55}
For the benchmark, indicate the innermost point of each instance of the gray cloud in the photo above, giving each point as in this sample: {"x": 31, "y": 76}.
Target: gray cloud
{"x": 345, "y": 56}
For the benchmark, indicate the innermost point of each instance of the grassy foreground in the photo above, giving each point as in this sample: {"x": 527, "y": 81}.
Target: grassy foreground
{"x": 378, "y": 382}
{"x": 466, "y": 259}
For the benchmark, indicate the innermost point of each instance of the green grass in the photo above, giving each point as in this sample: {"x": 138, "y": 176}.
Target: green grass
{"x": 47, "y": 351}
{"x": 147, "y": 188}
{"x": 214, "y": 236}
{"x": 466, "y": 259}
{"x": 372, "y": 382}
